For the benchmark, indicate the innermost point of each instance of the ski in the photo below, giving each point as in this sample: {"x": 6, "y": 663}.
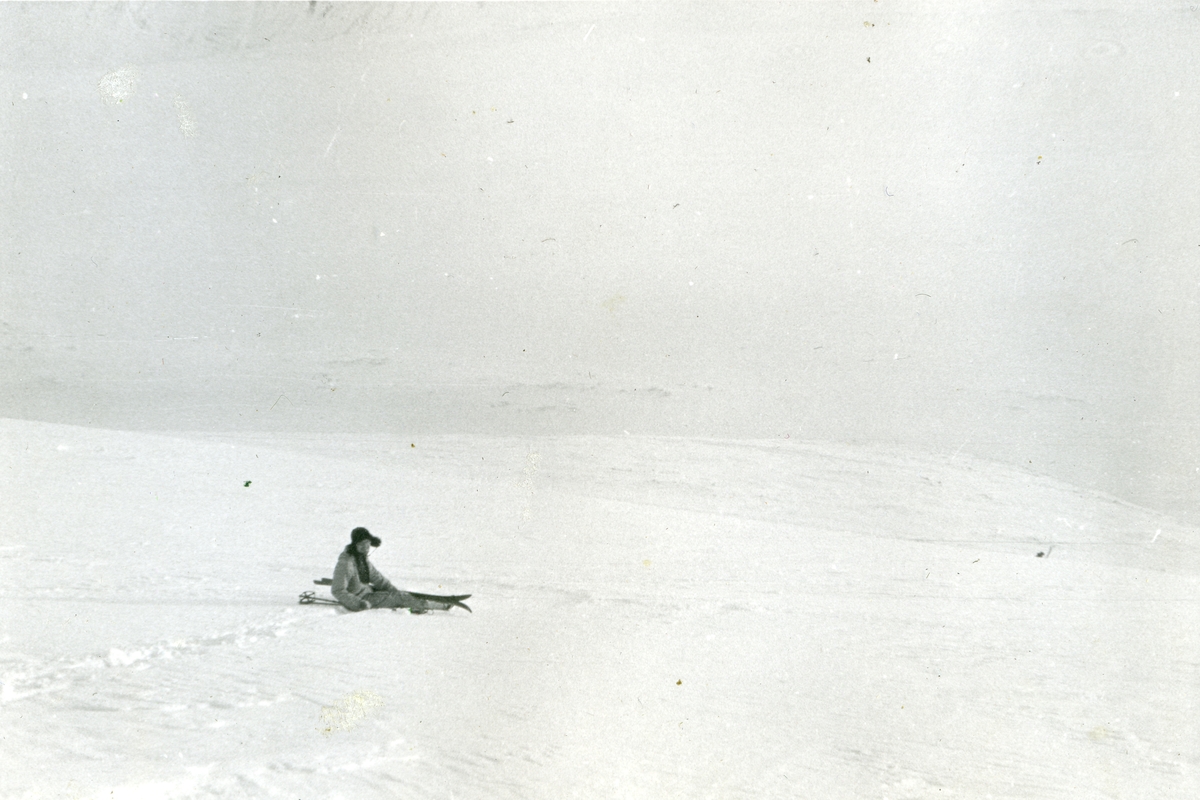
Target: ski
{"x": 445, "y": 600}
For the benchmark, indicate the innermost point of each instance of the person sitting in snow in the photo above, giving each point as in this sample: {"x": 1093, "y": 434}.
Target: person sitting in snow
{"x": 357, "y": 585}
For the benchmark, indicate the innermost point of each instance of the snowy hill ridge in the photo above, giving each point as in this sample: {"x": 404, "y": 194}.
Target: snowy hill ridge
{"x": 654, "y": 617}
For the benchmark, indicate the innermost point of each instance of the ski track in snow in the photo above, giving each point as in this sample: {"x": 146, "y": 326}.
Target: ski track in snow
{"x": 653, "y": 617}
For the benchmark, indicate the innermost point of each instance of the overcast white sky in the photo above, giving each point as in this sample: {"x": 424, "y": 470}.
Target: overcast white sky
{"x": 869, "y": 220}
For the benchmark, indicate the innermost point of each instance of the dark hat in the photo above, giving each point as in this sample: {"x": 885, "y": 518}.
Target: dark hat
{"x": 358, "y": 534}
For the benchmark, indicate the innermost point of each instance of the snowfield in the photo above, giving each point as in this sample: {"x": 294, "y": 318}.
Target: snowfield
{"x": 652, "y": 618}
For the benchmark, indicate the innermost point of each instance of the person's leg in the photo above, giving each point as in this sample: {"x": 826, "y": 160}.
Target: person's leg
{"x": 396, "y": 600}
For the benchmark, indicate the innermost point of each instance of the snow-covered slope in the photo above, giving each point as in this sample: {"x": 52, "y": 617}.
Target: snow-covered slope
{"x": 653, "y": 618}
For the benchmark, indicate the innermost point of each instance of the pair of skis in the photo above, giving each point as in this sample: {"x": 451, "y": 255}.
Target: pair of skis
{"x": 444, "y": 601}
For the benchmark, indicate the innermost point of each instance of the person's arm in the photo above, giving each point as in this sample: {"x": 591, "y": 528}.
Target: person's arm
{"x": 381, "y": 583}
{"x": 341, "y": 586}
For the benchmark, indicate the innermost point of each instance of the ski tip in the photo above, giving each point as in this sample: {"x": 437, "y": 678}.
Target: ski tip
{"x": 450, "y": 606}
